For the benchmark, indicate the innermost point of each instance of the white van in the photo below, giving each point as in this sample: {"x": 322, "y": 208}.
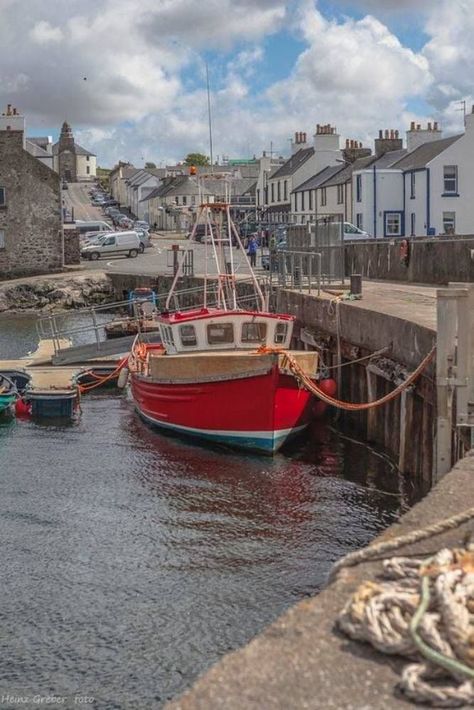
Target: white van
{"x": 97, "y": 226}
{"x": 114, "y": 244}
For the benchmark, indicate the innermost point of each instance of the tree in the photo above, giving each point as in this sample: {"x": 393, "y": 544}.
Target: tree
{"x": 150, "y": 165}
{"x": 196, "y": 159}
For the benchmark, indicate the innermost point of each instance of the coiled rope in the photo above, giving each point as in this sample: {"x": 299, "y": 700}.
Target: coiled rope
{"x": 425, "y": 612}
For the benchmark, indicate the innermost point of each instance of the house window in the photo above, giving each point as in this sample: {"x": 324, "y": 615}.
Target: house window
{"x": 310, "y": 195}
{"x": 450, "y": 179}
{"x": 340, "y": 194}
{"x": 412, "y": 185}
{"x": 278, "y": 191}
{"x": 258, "y": 196}
{"x": 285, "y": 190}
{"x": 88, "y": 170}
{"x": 273, "y": 192}
{"x": 185, "y": 199}
{"x": 3, "y": 197}
{"x": 323, "y": 197}
{"x": 254, "y": 332}
{"x": 87, "y": 158}
{"x": 193, "y": 199}
{"x": 359, "y": 188}
{"x": 302, "y": 200}
{"x": 188, "y": 336}
{"x": 413, "y": 224}
{"x": 393, "y": 224}
{"x": 295, "y": 206}
{"x": 280, "y": 333}
{"x": 2, "y": 239}
{"x": 359, "y": 220}
{"x": 220, "y": 333}
{"x": 449, "y": 222}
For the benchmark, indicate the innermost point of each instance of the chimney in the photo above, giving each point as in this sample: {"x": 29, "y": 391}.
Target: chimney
{"x": 11, "y": 120}
{"x": 469, "y": 120}
{"x": 355, "y": 150}
{"x": 417, "y": 135}
{"x": 299, "y": 142}
{"x": 326, "y": 147}
{"x": 388, "y": 140}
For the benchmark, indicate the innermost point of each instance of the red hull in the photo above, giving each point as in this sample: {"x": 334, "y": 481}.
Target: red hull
{"x": 258, "y": 412}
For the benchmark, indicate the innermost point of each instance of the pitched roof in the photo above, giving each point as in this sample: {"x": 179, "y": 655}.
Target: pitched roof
{"x": 293, "y": 163}
{"x": 79, "y": 150}
{"x": 37, "y": 150}
{"x": 390, "y": 158}
{"x": 345, "y": 175}
{"x": 319, "y": 178}
{"x": 425, "y": 153}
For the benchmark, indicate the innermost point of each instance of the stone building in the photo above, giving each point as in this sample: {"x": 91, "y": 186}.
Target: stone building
{"x": 31, "y": 235}
{"x": 73, "y": 162}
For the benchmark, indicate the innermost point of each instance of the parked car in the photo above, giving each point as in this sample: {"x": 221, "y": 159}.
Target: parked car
{"x": 145, "y": 240}
{"x": 114, "y": 244}
{"x": 64, "y": 185}
{"x": 140, "y": 224}
{"x": 352, "y": 232}
{"x": 92, "y": 226}
{"x": 124, "y": 222}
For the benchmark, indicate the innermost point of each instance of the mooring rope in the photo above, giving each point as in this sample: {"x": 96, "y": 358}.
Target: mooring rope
{"x": 423, "y": 611}
{"x": 378, "y": 549}
{"x": 289, "y": 362}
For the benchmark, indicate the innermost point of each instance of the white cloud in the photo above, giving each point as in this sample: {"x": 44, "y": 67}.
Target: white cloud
{"x": 44, "y": 33}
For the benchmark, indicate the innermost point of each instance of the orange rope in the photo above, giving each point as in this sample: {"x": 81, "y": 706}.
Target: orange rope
{"x": 105, "y": 378}
{"x": 299, "y": 374}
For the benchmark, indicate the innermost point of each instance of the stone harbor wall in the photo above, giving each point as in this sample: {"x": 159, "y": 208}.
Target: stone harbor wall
{"x": 72, "y": 248}
{"x": 55, "y": 293}
{"x": 31, "y": 238}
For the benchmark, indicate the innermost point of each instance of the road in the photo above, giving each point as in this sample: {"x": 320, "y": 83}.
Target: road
{"x": 156, "y": 259}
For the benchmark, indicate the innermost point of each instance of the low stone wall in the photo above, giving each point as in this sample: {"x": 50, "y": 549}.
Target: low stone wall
{"x": 55, "y": 292}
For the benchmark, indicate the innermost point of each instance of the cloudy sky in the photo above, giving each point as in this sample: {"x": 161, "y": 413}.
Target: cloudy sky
{"x": 130, "y": 76}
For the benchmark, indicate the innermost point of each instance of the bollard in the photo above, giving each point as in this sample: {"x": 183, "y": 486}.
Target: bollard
{"x": 356, "y": 284}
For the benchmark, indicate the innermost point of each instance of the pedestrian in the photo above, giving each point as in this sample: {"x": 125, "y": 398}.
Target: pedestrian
{"x": 252, "y": 250}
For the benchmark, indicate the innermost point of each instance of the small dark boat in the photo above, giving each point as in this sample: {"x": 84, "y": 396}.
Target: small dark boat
{"x": 8, "y": 396}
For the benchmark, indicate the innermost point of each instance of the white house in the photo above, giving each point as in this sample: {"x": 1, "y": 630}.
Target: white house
{"x": 305, "y": 162}
{"x": 428, "y": 189}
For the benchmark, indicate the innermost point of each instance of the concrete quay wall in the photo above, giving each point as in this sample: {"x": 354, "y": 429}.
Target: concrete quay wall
{"x": 302, "y": 661}
{"x": 405, "y": 427}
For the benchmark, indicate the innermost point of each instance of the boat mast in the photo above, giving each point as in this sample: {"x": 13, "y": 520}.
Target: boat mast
{"x": 209, "y": 117}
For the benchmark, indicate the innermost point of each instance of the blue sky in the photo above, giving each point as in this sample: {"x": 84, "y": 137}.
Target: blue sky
{"x": 276, "y": 67}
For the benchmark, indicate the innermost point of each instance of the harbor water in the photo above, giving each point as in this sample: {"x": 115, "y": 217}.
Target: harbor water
{"x": 131, "y": 561}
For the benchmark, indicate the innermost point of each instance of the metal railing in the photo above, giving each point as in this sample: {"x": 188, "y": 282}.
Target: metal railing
{"x": 296, "y": 270}
{"x": 87, "y": 325}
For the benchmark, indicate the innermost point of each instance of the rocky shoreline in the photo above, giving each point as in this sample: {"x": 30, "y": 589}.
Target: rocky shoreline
{"x": 55, "y": 293}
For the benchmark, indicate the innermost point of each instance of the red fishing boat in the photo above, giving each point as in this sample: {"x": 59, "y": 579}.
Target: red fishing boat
{"x": 220, "y": 373}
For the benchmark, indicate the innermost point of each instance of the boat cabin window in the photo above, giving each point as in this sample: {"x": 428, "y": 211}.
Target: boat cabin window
{"x": 254, "y": 332}
{"x": 281, "y": 331}
{"x": 188, "y": 335}
{"x": 220, "y": 333}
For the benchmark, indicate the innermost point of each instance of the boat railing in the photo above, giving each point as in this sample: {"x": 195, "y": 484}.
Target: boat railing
{"x": 86, "y": 325}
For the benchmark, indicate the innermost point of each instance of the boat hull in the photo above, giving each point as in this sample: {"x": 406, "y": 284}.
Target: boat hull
{"x": 257, "y": 412}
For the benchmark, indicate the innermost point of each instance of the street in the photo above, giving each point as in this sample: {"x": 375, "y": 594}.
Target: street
{"x": 156, "y": 259}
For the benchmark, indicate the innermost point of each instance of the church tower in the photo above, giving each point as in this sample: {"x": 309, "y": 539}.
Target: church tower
{"x": 67, "y": 154}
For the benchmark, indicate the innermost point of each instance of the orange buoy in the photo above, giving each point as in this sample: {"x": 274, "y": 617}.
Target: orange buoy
{"x": 328, "y": 386}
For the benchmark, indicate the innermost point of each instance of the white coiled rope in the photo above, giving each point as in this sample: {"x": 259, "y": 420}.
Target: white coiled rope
{"x": 424, "y": 610}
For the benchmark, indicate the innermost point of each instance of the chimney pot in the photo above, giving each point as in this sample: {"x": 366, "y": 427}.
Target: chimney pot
{"x": 412, "y": 126}
{"x": 296, "y": 137}
{"x": 472, "y": 110}
{"x": 418, "y": 127}
{"x": 386, "y": 133}
{"x": 380, "y": 133}
{"x": 435, "y": 126}
{"x": 397, "y": 133}
{"x": 429, "y": 126}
